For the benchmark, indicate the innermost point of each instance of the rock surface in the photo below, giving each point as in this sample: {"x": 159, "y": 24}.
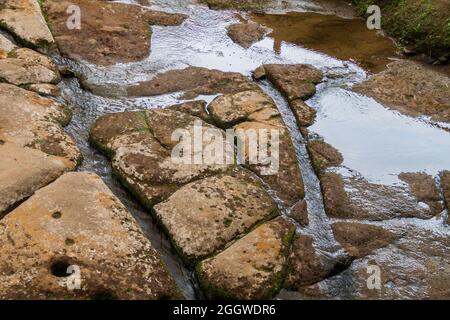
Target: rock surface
{"x": 193, "y": 81}
{"x": 23, "y": 171}
{"x": 353, "y": 197}
{"x": 361, "y": 239}
{"x": 415, "y": 266}
{"x": 304, "y": 114}
{"x": 78, "y": 221}
{"x": 24, "y": 66}
{"x": 323, "y": 156}
{"x": 306, "y": 265}
{"x": 252, "y": 267}
{"x": 300, "y": 213}
{"x": 250, "y": 5}
{"x": 220, "y": 209}
{"x": 44, "y": 89}
{"x": 140, "y": 146}
{"x": 424, "y": 189}
{"x": 445, "y": 182}
{"x": 28, "y": 119}
{"x": 297, "y": 83}
{"x": 24, "y": 19}
{"x": 255, "y": 112}
{"x": 246, "y": 34}
{"x": 412, "y": 89}
{"x": 6, "y": 46}
{"x": 110, "y": 32}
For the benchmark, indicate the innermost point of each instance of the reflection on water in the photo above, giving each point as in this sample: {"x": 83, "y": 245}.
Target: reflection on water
{"x": 345, "y": 39}
{"x": 377, "y": 142}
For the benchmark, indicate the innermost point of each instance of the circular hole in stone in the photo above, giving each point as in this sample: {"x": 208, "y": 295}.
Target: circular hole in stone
{"x": 69, "y": 242}
{"x": 56, "y": 215}
{"x": 59, "y": 267}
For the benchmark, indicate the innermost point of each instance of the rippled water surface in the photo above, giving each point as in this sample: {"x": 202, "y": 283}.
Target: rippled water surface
{"x": 376, "y": 142}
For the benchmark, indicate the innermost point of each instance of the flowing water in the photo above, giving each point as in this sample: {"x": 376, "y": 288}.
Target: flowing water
{"x": 376, "y": 142}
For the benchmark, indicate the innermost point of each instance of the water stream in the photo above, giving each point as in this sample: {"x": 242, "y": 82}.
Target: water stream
{"x": 376, "y": 142}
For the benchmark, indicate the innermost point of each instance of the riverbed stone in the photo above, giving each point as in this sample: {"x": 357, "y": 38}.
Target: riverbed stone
{"x": 323, "y": 155}
{"x": 28, "y": 119}
{"x": 303, "y": 113}
{"x": 247, "y": 33}
{"x": 284, "y": 178}
{"x": 193, "y": 81}
{"x": 109, "y": 33}
{"x": 353, "y": 197}
{"x": 295, "y": 81}
{"x": 23, "y": 171}
{"x": 414, "y": 266}
{"x": 230, "y": 109}
{"x": 6, "y": 46}
{"x": 24, "y": 19}
{"x": 412, "y": 89}
{"x": 299, "y": 213}
{"x": 251, "y": 268}
{"x": 140, "y": 146}
{"x": 196, "y": 108}
{"x": 44, "y": 89}
{"x": 24, "y": 66}
{"x": 424, "y": 189}
{"x": 77, "y": 221}
{"x": 248, "y": 5}
{"x": 254, "y": 111}
{"x": 445, "y": 182}
{"x": 220, "y": 208}
{"x": 360, "y": 239}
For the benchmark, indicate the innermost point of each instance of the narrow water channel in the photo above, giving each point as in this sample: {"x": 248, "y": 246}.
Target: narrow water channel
{"x": 376, "y": 142}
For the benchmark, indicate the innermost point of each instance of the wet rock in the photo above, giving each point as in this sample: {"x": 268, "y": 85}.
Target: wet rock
{"x": 220, "y": 209}
{"x": 252, "y": 267}
{"x": 304, "y": 114}
{"x": 323, "y": 155}
{"x": 23, "y": 171}
{"x": 306, "y": 266}
{"x": 424, "y": 189}
{"x": 259, "y": 73}
{"x": 415, "y": 266}
{"x": 412, "y": 89}
{"x": 110, "y": 32}
{"x": 254, "y": 111}
{"x": 24, "y": 19}
{"x": 44, "y": 89}
{"x": 32, "y": 57}
{"x": 249, "y": 5}
{"x": 140, "y": 146}
{"x": 196, "y": 108}
{"x": 295, "y": 81}
{"x": 354, "y": 197}
{"x": 361, "y": 239}
{"x": 284, "y": 178}
{"x": 246, "y": 34}
{"x": 230, "y": 109}
{"x": 6, "y": 46}
{"x": 28, "y": 119}
{"x": 78, "y": 221}
{"x": 25, "y": 66}
{"x": 193, "y": 81}
{"x": 445, "y": 182}
{"x": 300, "y": 213}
